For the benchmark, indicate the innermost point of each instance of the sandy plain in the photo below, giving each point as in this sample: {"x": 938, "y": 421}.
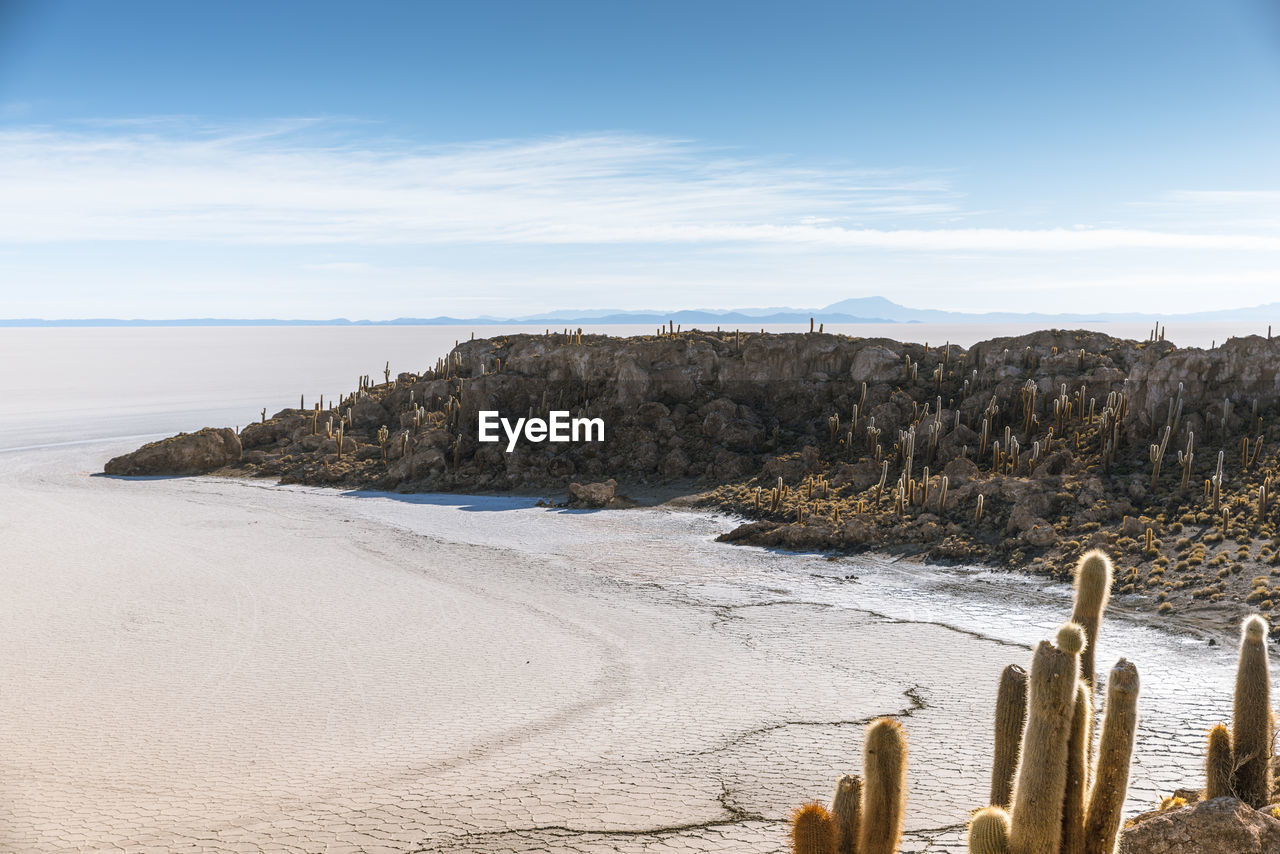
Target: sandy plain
{"x": 214, "y": 665}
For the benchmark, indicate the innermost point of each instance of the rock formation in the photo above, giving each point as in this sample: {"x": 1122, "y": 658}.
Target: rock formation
{"x": 1023, "y": 451}
{"x": 187, "y": 453}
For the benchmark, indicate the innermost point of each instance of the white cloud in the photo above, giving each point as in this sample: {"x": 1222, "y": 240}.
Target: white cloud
{"x": 271, "y": 185}
{"x": 1221, "y": 209}
{"x": 296, "y": 183}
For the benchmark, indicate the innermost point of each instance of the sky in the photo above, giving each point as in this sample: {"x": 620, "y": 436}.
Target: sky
{"x": 391, "y": 159}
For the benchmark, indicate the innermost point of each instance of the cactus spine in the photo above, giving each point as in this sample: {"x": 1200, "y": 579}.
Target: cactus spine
{"x": 989, "y": 832}
{"x": 1111, "y": 775}
{"x": 1040, "y": 787}
{"x": 1011, "y": 717}
{"x": 1093, "y": 589}
{"x": 885, "y": 788}
{"x": 1218, "y": 765}
{"x": 846, "y": 810}
{"x": 1251, "y": 731}
{"x": 812, "y": 831}
{"x": 1073, "y": 804}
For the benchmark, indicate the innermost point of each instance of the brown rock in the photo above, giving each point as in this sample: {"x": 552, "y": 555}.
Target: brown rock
{"x": 368, "y": 413}
{"x": 960, "y": 471}
{"x": 592, "y": 494}
{"x": 1040, "y": 534}
{"x": 674, "y": 464}
{"x": 877, "y": 365}
{"x": 651, "y": 413}
{"x": 1219, "y": 826}
{"x": 185, "y": 454}
{"x": 265, "y": 435}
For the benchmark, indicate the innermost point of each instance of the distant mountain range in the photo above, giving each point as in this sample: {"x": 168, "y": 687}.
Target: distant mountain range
{"x": 857, "y": 310}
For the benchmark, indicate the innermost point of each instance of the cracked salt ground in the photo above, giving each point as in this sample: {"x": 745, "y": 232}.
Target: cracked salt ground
{"x": 203, "y": 665}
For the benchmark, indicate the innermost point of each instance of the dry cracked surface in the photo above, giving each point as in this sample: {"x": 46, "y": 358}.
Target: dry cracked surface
{"x": 206, "y": 665}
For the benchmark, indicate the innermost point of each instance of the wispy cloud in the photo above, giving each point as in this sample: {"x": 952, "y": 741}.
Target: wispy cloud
{"x": 1234, "y": 209}
{"x": 303, "y": 183}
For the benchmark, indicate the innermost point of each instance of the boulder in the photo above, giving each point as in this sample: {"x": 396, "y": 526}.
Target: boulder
{"x": 674, "y": 464}
{"x": 1040, "y": 534}
{"x": 185, "y": 454}
{"x": 1219, "y": 826}
{"x": 368, "y": 413}
{"x": 592, "y": 494}
{"x": 877, "y": 365}
{"x": 960, "y": 471}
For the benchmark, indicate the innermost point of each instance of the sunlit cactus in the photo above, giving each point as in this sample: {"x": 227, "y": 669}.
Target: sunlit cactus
{"x": 1115, "y": 753}
{"x": 1252, "y": 730}
{"x": 884, "y": 790}
{"x": 1040, "y": 787}
{"x": 1011, "y": 717}
{"x": 1077, "y": 784}
{"x": 812, "y": 830}
{"x": 1218, "y": 764}
{"x": 846, "y": 812}
{"x": 989, "y": 831}
{"x": 1092, "y": 590}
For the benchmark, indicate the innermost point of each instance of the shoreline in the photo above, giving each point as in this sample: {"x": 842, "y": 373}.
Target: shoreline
{"x": 1213, "y": 622}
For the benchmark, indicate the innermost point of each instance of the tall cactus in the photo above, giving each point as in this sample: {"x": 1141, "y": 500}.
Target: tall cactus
{"x": 989, "y": 831}
{"x": 846, "y": 812}
{"x": 1252, "y": 730}
{"x": 1074, "y": 800}
{"x": 884, "y": 791}
{"x": 812, "y": 831}
{"x": 1093, "y": 588}
{"x": 1011, "y": 717}
{"x": 1040, "y": 786}
{"x": 1111, "y": 775}
{"x": 1218, "y": 764}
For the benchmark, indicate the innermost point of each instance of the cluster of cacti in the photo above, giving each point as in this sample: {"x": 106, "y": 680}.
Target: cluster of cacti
{"x": 1239, "y": 760}
{"x": 866, "y": 813}
{"x": 1049, "y": 794}
{"x": 817, "y": 486}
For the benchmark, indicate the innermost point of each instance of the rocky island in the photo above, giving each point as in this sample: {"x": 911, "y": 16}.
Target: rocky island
{"x": 1023, "y": 452}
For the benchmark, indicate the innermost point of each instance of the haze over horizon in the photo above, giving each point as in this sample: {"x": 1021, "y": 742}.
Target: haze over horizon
{"x": 873, "y": 310}
{"x": 313, "y": 160}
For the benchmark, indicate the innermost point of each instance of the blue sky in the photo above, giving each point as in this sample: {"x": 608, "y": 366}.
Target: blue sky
{"x": 391, "y": 159}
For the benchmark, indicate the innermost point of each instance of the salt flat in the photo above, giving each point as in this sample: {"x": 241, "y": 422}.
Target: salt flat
{"x": 212, "y": 665}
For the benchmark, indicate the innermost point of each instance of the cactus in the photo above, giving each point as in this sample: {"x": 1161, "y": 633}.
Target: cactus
{"x": 1111, "y": 774}
{"x": 812, "y": 831}
{"x": 1251, "y": 730}
{"x": 1218, "y": 764}
{"x": 1040, "y": 787}
{"x": 1011, "y": 717}
{"x": 1093, "y": 589}
{"x": 1078, "y": 748}
{"x": 846, "y": 810}
{"x": 884, "y": 789}
{"x": 989, "y": 831}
